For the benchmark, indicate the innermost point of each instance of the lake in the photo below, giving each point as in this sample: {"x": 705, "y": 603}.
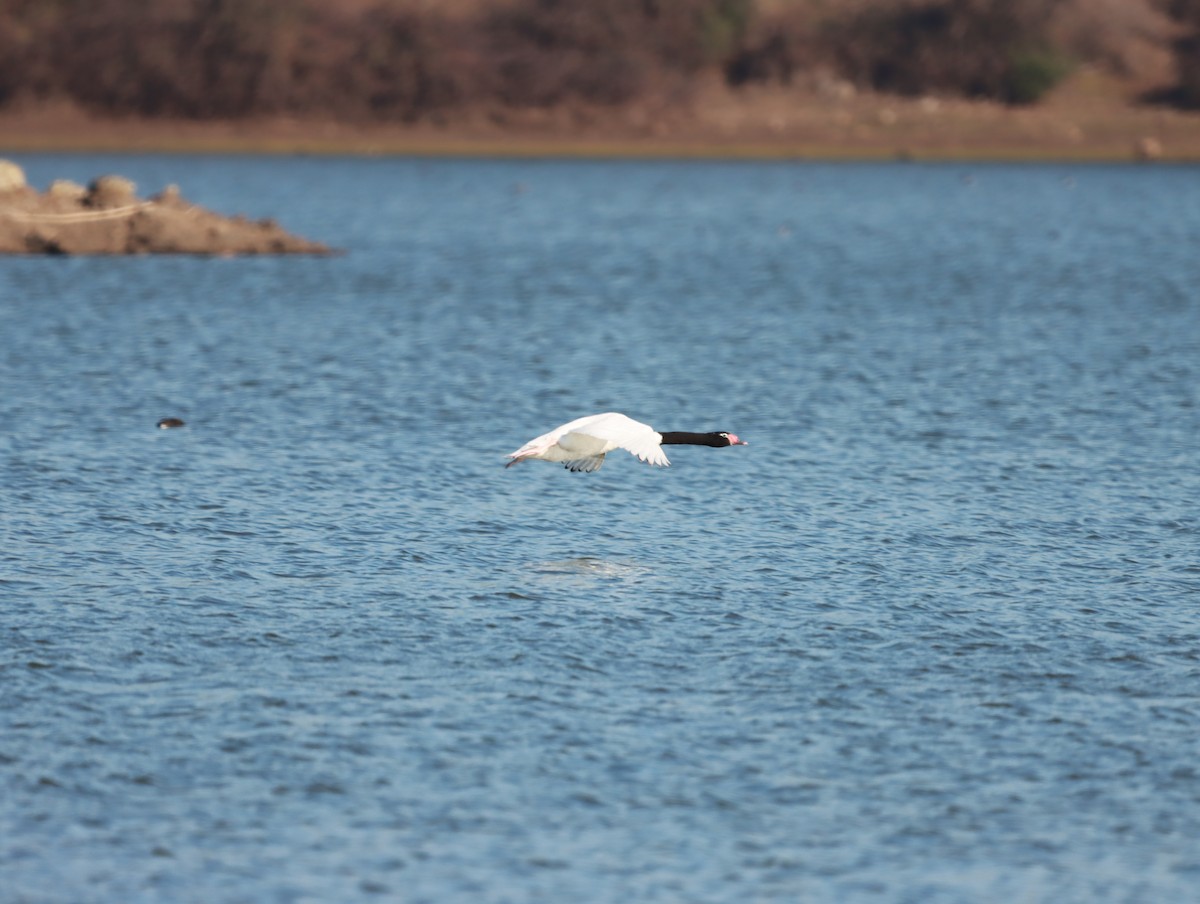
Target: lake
{"x": 932, "y": 636}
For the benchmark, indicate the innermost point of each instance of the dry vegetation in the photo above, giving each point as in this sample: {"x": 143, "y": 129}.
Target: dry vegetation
{"x": 756, "y": 70}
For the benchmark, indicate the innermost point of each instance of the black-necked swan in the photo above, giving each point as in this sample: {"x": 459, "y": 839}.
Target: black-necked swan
{"x": 582, "y": 443}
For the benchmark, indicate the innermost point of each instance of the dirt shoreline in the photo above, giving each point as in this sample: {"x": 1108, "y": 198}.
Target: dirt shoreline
{"x": 1092, "y": 117}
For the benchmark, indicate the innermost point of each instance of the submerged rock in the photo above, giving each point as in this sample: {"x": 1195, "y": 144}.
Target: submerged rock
{"x": 107, "y": 217}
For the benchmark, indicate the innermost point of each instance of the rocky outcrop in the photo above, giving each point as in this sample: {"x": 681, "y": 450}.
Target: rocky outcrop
{"x": 12, "y": 177}
{"x": 107, "y": 217}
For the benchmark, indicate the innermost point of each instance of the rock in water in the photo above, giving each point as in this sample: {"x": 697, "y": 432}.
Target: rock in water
{"x": 108, "y": 218}
{"x": 12, "y": 177}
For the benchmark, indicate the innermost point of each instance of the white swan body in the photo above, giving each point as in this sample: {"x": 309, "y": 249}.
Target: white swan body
{"x": 581, "y": 444}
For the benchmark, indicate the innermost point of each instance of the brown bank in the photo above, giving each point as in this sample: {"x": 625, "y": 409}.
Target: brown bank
{"x": 107, "y": 217}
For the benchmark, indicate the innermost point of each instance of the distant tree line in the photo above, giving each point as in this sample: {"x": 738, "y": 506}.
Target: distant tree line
{"x": 408, "y": 60}
{"x": 1187, "y": 50}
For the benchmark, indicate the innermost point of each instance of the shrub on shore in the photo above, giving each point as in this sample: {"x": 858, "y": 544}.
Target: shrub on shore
{"x": 407, "y": 60}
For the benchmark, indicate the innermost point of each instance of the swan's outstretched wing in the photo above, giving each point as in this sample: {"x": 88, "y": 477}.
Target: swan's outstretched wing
{"x": 582, "y": 443}
{"x": 616, "y": 431}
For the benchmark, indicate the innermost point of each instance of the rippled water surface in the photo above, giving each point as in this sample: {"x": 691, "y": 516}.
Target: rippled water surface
{"x": 933, "y": 636}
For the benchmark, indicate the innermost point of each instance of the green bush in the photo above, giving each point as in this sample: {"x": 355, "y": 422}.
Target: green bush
{"x": 973, "y": 48}
{"x": 1032, "y": 73}
{"x": 1187, "y": 53}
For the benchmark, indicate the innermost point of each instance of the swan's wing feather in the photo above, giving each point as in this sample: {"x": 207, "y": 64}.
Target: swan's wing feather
{"x": 585, "y": 464}
{"x": 541, "y": 444}
{"x": 581, "y": 444}
{"x": 652, "y": 455}
{"x": 621, "y": 432}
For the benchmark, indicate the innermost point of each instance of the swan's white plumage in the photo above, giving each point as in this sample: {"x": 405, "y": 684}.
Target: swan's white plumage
{"x": 581, "y": 444}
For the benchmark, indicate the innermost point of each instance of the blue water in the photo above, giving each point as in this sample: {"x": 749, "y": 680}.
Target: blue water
{"x": 933, "y": 636}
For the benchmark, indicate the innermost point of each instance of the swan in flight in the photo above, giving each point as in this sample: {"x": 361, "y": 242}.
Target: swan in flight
{"x": 582, "y": 443}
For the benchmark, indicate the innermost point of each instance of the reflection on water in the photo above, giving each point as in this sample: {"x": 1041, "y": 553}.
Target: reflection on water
{"x": 587, "y": 565}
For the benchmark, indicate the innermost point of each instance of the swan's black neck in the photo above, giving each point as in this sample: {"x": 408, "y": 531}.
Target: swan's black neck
{"x": 694, "y": 439}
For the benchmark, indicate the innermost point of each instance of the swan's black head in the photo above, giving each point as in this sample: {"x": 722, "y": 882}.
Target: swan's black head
{"x": 731, "y": 439}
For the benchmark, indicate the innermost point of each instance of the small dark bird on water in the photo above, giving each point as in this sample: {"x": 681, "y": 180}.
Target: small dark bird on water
{"x": 168, "y": 422}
